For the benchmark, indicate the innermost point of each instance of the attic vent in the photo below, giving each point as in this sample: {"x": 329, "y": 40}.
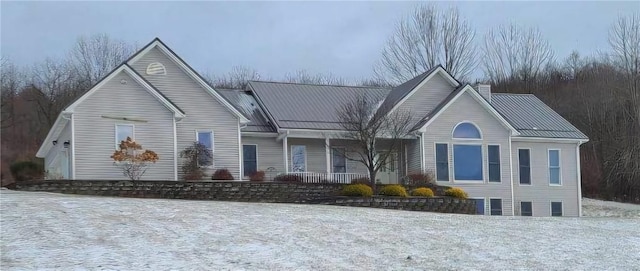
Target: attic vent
{"x": 156, "y": 68}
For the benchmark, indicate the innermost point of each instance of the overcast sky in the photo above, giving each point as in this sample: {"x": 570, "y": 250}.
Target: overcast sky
{"x": 342, "y": 38}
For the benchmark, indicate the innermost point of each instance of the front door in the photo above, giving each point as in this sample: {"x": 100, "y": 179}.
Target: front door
{"x": 249, "y": 160}
{"x": 388, "y": 173}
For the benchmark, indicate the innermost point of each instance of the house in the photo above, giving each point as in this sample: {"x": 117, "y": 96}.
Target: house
{"x": 511, "y": 152}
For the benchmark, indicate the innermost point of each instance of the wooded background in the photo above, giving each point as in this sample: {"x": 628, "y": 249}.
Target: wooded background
{"x": 599, "y": 93}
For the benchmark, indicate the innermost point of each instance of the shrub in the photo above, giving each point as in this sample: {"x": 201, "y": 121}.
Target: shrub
{"x": 193, "y": 155}
{"x": 395, "y": 190}
{"x": 26, "y": 171}
{"x": 421, "y": 179}
{"x": 222, "y": 174}
{"x": 361, "y": 180}
{"x": 357, "y": 190}
{"x": 132, "y": 160}
{"x": 422, "y": 192}
{"x": 257, "y": 176}
{"x": 456, "y": 192}
{"x": 288, "y": 178}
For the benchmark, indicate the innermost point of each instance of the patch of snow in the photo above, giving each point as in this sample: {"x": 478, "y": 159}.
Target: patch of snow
{"x": 46, "y": 231}
{"x": 601, "y": 208}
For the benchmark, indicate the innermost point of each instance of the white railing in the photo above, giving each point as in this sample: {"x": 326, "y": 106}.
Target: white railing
{"x": 315, "y": 177}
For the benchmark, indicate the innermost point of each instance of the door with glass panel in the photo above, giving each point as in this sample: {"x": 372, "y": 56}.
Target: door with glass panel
{"x": 388, "y": 173}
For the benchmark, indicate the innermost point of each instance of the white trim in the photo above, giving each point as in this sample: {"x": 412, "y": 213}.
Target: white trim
{"x": 463, "y": 138}
{"x": 549, "y": 139}
{"x": 73, "y": 148}
{"x": 435, "y": 161}
{"x": 285, "y": 153}
{"x": 559, "y": 167}
{"x": 242, "y": 155}
{"x": 131, "y": 73}
{"x": 54, "y": 132}
{"x": 191, "y": 73}
{"x": 501, "y": 206}
{"x": 440, "y": 70}
{"x": 530, "y": 171}
{"x": 499, "y": 164}
{"x": 483, "y": 102}
{"x": 305, "y": 158}
{"x": 453, "y": 165}
{"x": 327, "y": 156}
{"x": 578, "y": 166}
{"x": 133, "y": 133}
{"x": 258, "y": 134}
{"x": 175, "y": 151}
{"x": 551, "y": 207}
{"x": 213, "y": 146}
{"x": 513, "y": 199}
{"x": 521, "y": 206}
{"x": 422, "y": 156}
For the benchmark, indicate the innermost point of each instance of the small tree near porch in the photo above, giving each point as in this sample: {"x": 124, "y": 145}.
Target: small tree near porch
{"x": 132, "y": 159}
{"x": 367, "y": 127}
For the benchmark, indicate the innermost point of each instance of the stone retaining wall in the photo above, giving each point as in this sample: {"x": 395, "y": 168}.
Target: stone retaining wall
{"x": 246, "y": 192}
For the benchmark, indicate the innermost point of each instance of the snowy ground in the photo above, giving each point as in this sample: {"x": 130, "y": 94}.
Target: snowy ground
{"x": 65, "y": 232}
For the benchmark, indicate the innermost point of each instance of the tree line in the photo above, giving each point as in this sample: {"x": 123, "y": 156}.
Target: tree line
{"x": 597, "y": 93}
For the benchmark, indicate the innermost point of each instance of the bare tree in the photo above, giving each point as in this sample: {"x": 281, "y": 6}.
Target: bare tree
{"x": 424, "y": 39}
{"x": 367, "y": 129}
{"x": 304, "y": 77}
{"x": 514, "y": 52}
{"x": 95, "y": 56}
{"x": 237, "y": 78}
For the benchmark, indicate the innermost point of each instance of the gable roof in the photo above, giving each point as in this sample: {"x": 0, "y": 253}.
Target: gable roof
{"x": 400, "y": 93}
{"x": 246, "y": 103}
{"x": 533, "y": 118}
{"x": 451, "y": 98}
{"x": 308, "y": 106}
{"x": 189, "y": 71}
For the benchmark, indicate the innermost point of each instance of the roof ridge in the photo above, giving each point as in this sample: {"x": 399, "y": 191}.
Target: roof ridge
{"x": 513, "y": 94}
{"x": 322, "y": 85}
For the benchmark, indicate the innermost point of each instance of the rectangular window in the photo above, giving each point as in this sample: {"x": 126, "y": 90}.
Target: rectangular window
{"x": 249, "y": 159}
{"x": 554, "y": 167}
{"x": 496, "y": 206}
{"x": 205, "y": 138}
{"x": 122, "y": 132}
{"x": 339, "y": 161}
{"x": 479, "y": 206}
{"x": 467, "y": 162}
{"x": 526, "y": 208}
{"x": 524, "y": 161}
{"x": 442, "y": 162}
{"x": 494, "y": 163}
{"x": 556, "y": 208}
{"x": 298, "y": 158}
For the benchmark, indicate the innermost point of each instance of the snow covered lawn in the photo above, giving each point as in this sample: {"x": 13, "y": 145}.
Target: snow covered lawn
{"x": 67, "y": 232}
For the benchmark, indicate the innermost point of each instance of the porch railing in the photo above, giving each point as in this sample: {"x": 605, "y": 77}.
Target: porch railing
{"x": 315, "y": 177}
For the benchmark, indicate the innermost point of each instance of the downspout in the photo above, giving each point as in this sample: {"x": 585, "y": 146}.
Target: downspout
{"x": 327, "y": 155}
{"x": 240, "y": 152}
{"x": 285, "y": 152}
{"x": 422, "y": 161}
{"x": 579, "y": 178}
{"x": 73, "y": 146}
{"x": 175, "y": 150}
{"x": 513, "y": 199}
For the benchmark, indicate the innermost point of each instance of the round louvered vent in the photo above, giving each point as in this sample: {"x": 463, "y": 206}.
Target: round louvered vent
{"x": 156, "y": 68}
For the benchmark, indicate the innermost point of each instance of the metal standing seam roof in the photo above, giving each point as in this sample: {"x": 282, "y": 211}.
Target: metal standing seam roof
{"x": 308, "y": 106}
{"x": 248, "y": 106}
{"x": 532, "y": 117}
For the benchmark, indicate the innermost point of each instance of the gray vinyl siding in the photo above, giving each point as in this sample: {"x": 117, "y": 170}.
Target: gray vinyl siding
{"x": 203, "y": 111}
{"x": 427, "y": 97}
{"x": 269, "y": 153}
{"x": 95, "y": 135}
{"x": 540, "y": 193}
{"x": 316, "y": 156}
{"x": 352, "y": 166}
{"x": 466, "y": 108}
{"x": 414, "y": 159}
{"x": 65, "y": 135}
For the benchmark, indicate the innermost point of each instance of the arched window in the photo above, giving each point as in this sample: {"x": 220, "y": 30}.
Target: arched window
{"x": 466, "y": 130}
{"x": 156, "y": 68}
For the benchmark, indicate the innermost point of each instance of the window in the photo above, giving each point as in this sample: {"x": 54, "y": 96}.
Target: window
{"x": 339, "y": 161}
{"x": 298, "y": 158}
{"x": 524, "y": 161}
{"x": 494, "y": 163}
{"x": 249, "y": 159}
{"x": 122, "y": 132}
{"x": 496, "y": 206}
{"x": 156, "y": 68}
{"x": 442, "y": 162}
{"x": 479, "y": 206}
{"x": 205, "y": 138}
{"x": 466, "y": 130}
{"x": 554, "y": 167}
{"x": 467, "y": 162}
{"x": 556, "y": 208}
{"x": 526, "y": 208}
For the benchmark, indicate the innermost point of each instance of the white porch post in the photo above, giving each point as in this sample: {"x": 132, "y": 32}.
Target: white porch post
{"x": 285, "y": 154}
{"x": 327, "y": 154}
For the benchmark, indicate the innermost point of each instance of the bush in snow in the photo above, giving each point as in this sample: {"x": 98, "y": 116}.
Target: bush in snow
{"x": 26, "y": 171}
{"x": 361, "y": 180}
{"x": 357, "y": 190}
{"x": 222, "y": 174}
{"x": 456, "y": 192}
{"x": 422, "y": 192}
{"x": 394, "y": 190}
{"x": 132, "y": 160}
